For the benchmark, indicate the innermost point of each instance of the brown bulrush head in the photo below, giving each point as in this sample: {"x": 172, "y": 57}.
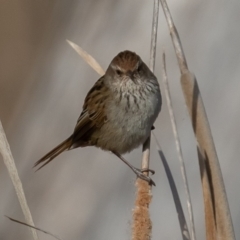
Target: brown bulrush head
{"x": 142, "y": 224}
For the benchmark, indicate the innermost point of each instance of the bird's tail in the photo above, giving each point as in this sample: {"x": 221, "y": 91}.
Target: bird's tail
{"x": 54, "y": 153}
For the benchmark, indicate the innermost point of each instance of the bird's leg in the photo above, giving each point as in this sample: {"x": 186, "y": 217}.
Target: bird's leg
{"x": 137, "y": 171}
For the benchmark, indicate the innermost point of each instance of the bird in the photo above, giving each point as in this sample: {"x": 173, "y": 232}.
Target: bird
{"x": 118, "y": 112}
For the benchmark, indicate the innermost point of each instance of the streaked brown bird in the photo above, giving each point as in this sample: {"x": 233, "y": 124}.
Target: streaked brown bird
{"x": 118, "y": 111}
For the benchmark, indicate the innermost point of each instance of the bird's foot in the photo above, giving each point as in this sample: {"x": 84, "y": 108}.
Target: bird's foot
{"x": 139, "y": 173}
{"x": 147, "y": 170}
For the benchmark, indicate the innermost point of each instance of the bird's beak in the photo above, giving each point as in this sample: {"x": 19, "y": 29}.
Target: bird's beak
{"x": 130, "y": 75}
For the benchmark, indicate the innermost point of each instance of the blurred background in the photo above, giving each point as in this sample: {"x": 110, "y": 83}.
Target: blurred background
{"x": 87, "y": 193}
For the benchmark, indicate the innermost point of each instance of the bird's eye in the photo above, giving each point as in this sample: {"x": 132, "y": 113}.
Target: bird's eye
{"x": 118, "y": 72}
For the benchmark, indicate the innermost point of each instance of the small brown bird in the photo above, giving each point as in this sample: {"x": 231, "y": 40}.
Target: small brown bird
{"x": 118, "y": 112}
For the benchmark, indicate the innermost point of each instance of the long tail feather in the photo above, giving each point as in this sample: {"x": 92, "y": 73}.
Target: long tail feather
{"x": 54, "y": 153}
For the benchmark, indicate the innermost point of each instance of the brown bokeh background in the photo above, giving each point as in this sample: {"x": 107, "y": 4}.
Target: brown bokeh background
{"x": 87, "y": 193}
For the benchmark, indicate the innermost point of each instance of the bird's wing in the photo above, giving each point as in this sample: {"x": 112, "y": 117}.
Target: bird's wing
{"x": 93, "y": 115}
{"x": 92, "y": 118}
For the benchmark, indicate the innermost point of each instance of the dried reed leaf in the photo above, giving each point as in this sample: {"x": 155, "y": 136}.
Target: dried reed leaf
{"x": 222, "y": 217}
{"x": 13, "y": 173}
{"x": 87, "y": 58}
{"x": 178, "y": 145}
{"x": 28, "y": 225}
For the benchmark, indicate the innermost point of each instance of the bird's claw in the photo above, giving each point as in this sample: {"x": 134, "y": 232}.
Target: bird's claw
{"x": 139, "y": 173}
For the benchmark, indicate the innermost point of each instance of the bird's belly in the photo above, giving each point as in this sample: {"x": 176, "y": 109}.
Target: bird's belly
{"x": 124, "y": 137}
{"x": 129, "y": 126}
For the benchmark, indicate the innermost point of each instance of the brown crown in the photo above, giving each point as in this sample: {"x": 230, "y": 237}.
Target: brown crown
{"x": 126, "y": 60}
